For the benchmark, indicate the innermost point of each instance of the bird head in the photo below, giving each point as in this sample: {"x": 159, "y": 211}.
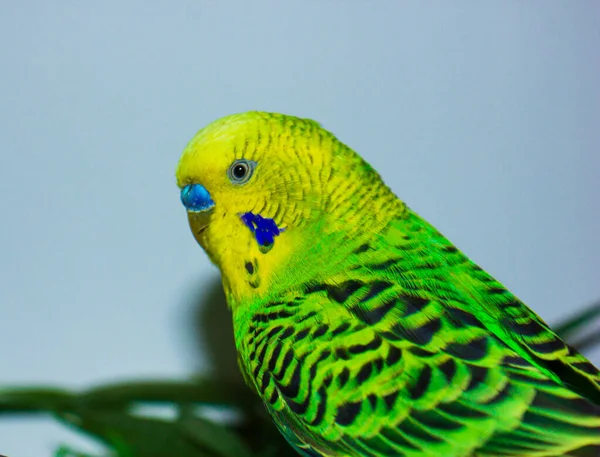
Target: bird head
{"x": 265, "y": 192}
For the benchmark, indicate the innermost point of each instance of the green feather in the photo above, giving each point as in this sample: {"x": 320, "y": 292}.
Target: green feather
{"x": 380, "y": 338}
{"x": 416, "y": 350}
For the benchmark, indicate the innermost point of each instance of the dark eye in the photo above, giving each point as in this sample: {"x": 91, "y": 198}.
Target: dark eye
{"x": 240, "y": 171}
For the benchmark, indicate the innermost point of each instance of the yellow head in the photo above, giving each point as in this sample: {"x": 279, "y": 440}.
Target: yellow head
{"x": 308, "y": 188}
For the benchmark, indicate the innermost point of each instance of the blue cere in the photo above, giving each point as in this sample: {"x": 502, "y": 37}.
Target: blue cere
{"x": 265, "y": 230}
{"x": 196, "y": 198}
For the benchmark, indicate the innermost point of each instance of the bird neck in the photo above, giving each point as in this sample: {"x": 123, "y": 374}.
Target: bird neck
{"x": 314, "y": 252}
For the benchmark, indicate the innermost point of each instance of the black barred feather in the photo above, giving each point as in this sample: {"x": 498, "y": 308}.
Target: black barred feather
{"x": 387, "y": 363}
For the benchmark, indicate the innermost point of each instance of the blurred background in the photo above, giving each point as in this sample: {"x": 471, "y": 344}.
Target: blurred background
{"x": 484, "y": 117}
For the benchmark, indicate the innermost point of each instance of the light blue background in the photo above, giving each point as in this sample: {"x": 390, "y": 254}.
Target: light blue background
{"x": 483, "y": 116}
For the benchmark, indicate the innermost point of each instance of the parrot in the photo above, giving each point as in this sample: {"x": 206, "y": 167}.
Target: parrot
{"x": 363, "y": 329}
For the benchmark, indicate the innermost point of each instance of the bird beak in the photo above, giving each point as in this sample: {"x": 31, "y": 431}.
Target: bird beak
{"x": 196, "y": 198}
{"x": 199, "y": 205}
{"x": 199, "y": 223}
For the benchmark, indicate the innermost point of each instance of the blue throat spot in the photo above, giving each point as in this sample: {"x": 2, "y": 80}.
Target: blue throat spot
{"x": 196, "y": 198}
{"x": 265, "y": 230}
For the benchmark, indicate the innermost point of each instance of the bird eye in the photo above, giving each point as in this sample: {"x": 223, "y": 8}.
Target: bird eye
{"x": 240, "y": 171}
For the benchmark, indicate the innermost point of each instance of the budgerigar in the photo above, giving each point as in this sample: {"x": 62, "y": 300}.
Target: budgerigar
{"x": 363, "y": 329}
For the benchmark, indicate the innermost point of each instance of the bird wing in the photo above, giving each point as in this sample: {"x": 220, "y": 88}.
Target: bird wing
{"x": 419, "y": 352}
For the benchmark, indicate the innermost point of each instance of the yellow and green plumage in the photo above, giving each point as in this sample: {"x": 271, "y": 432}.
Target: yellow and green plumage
{"x": 363, "y": 329}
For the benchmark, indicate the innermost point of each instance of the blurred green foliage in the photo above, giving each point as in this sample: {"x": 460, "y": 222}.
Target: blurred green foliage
{"x": 108, "y": 413}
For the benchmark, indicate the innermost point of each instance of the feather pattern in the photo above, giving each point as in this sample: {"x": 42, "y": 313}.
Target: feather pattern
{"x": 364, "y": 330}
{"x": 394, "y": 360}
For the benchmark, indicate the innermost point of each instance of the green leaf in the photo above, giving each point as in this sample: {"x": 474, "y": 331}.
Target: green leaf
{"x": 131, "y": 436}
{"x": 215, "y": 438}
{"x": 578, "y": 322}
{"x": 202, "y": 391}
{"x": 35, "y": 400}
